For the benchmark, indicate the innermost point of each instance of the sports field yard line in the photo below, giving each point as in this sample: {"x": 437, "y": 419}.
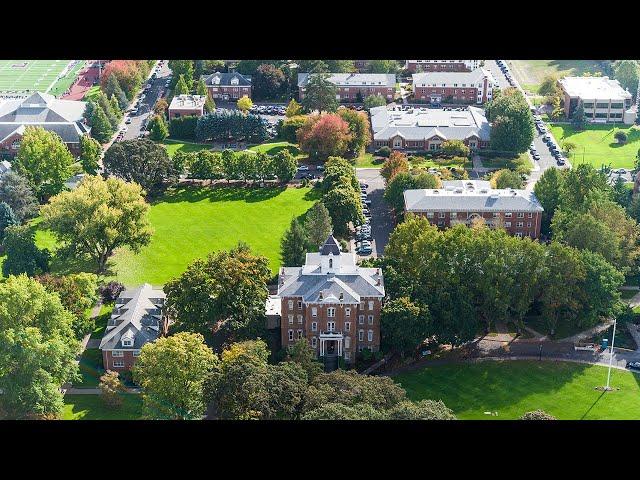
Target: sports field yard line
{"x": 55, "y": 80}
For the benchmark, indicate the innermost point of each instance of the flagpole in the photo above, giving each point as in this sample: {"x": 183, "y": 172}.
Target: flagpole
{"x": 613, "y": 339}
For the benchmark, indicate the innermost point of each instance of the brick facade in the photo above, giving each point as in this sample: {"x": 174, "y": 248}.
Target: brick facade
{"x": 9, "y": 146}
{"x": 521, "y": 224}
{"x": 415, "y": 66}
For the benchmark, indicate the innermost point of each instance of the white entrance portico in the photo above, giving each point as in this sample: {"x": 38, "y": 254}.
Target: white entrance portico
{"x": 331, "y": 343}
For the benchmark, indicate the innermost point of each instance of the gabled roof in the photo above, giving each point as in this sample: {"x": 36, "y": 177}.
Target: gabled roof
{"x": 449, "y": 78}
{"x": 354, "y": 79}
{"x": 330, "y": 246}
{"x": 137, "y": 314}
{"x": 224, "y": 79}
{"x": 41, "y": 108}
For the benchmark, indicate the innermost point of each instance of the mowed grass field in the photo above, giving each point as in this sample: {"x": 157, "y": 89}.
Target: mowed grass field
{"x": 36, "y": 75}
{"x": 565, "y": 390}
{"x": 599, "y": 146}
{"x": 530, "y": 73}
{"x": 191, "y": 222}
{"x": 91, "y": 407}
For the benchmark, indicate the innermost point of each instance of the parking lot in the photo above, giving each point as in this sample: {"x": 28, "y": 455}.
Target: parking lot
{"x": 381, "y": 217}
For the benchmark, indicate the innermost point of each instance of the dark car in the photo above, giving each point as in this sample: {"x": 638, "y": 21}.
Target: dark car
{"x": 536, "y": 156}
{"x": 561, "y": 161}
{"x": 633, "y": 366}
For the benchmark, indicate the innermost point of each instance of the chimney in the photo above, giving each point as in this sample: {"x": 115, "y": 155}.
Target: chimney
{"x": 378, "y": 282}
{"x": 320, "y": 298}
{"x": 341, "y": 296}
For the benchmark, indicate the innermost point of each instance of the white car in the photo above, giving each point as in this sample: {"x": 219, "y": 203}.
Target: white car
{"x": 303, "y": 168}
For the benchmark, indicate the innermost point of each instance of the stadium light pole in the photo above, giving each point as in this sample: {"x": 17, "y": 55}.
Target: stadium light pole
{"x": 613, "y": 339}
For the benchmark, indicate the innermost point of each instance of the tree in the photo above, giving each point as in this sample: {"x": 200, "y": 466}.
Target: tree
{"x": 547, "y": 190}
{"x": 184, "y": 68}
{"x": 269, "y": 82}
{"x": 338, "y": 411}
{"x": 320, "y": 94}
{"x": 172, "y": 371}
{"x": 209, "y": 105}
{"x": 548, "y": 86}
{"x": 44, "y": 160}
{"x": 7, "y": 219}
{"x": 372, "y": 101}
{"x": 404, "y": 325}
{"x": 90, "y": 154}
{"x": 620, "y": 136}
{"x": 359, "y": 130}
{"x": 627, "y": 73}
{"x": 111, "y": 389}
{"x": 344, "y": 205}
{"x": 161, "y": 106}
{"x": 37, "y": 350}
{"x": 293, "y": 246}
{"x": 394, "y": 193}
{"x": 318, "y": 226}
{"x": 113, "y": 115}
{"x": 98, "y": 217}
{"x": 288, "y": 128}
{"x": 227, "y": 290}
{"x": 305, "y": 355}
{"x": 244, "y": 104}
{"x": 16, "y": 192}
{"x": 512, "y": 123}
{"x": 537, "y": 415}
{"x": 395, "y": 164}
{"x": 78, "y": 293}
{"x": 293, "y": 109}
{"x": 22, "y": 255}
{"x": 183, "y": 127}
{"x": 101, "y": 128}
{"x": 181, "y": 87}
{"x": 506, "y": 178}
{"x": 322, "y": 136}
{"x": 580, "y": 185}
{"x": 201, "y": 88}
{"x": 383, "y": 66}
{"x": 422, "y": 410}
{"x": 141, "y": 161}
{"x": 112, "y": 89}
{"x": 579, "y": 119}
{"x": 455, "y": 148}
{"x": 159, "y": 128}
{"x": 284, "y": 165}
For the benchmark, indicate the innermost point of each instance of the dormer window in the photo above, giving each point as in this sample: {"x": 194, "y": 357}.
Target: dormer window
{"x": 216, "y": 80}
{"x": 127, "y": 342}
{"x": 331, "y": 263}
{"x": 235, "y": 81}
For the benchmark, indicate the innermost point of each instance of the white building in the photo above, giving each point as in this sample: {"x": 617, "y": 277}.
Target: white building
{"x": 603, "y": 99}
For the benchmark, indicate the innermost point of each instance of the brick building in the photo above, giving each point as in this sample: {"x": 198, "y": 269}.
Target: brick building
{"x": 425, "y": 129}
{"x": 454, "y": 87}
{"x": 332, "y": 302}
{"x": 416, "y": 66}
{"x": 63, "y": 117}
{"x": 228, "y": 86}
{"x": 186, "y": 105}
{"x": 603, "y": 99}
{"x": 351, "y": 84}
{"x": 137, "y": 318}
{"x": 466, "y": 201}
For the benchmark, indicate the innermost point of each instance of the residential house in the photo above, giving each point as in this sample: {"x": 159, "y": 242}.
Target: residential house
{"x": 228, "y": 86}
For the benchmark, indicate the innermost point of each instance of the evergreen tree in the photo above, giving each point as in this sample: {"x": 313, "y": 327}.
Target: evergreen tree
{"x": 181, "y": 87}
{"x": 201, "y": 88}
{"x": 318, "y": 226}
{"x": 294, "y": 245}
{"x": 209, "y": 105}
{"x": 107, "y": 107}
{"x": 159, "y": 128}
{"x": 101, "y": 128}
{"x": 7, "y": 218}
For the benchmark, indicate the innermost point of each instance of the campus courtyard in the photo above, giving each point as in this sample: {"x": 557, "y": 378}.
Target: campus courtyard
{"x": 506, "y": 390}
{"x": 596, "y": 145}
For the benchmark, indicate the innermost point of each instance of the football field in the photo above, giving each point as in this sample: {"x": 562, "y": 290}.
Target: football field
{"x": 32, "y": 75}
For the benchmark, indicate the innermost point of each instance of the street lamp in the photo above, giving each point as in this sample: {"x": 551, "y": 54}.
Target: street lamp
{"x": 613, "y": 339}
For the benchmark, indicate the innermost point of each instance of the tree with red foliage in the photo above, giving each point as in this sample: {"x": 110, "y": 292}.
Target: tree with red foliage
{"x": 130, "y": 74}
{"x": 395, "y": 164}
{"x": 323, "y": 136}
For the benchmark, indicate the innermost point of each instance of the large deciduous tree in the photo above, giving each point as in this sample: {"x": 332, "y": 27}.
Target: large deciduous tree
{"x": 37, "y": 350}
{"x": 269, "y": 82}
{"x": 404, "y": 325}
{"x": 172, "y": 371}
{"x": 98, "y": 217}
{"x": 395, "y": 164}
{"x": 323, "y": 136}
{"x": 44, "y": 160}
{"x": 512, "y": 122}
{"x": 141, "y": 161}
{"x": 359, "y": 129}
{"x": 22, "y": 254}
{"x": 90, "y": 153}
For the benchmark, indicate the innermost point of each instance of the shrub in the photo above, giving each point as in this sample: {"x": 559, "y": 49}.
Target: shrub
{"x": 110, "y": 291}
{"x": 111, "y": 388}
{"x": 620, "y": 136}
{"x": 383, "y": 152}
{"x": 183, "y": 127}
{"x": 537, "y": 415}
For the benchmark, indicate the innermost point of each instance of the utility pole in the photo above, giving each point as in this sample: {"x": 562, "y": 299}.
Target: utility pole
{"x": 613, "y": 339}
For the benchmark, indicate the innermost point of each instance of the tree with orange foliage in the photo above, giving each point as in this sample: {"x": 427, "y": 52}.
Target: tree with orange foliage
{"x": 395, "y": 164}
{"x": 323, "y": 136}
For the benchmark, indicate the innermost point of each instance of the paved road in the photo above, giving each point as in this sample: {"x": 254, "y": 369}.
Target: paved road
{"x": 381, "y": 216}
{"x": 146, "y": 107}
{"x": 493, "y": 67}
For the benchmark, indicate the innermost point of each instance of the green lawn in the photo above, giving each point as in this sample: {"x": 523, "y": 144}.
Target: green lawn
{"x": 191, "y": 222}
{"x": 101, "y": 321}
{"x": 91, "y": 407}
{"x": 530, "y": 73}
{"x": 174, "y": 146}
{"x": 367, "y": 160}
{"x": 505, "y": 162}
{"x": 92, "y": 92}
{"x": 65, "y": 82}
{"x": 91, "y": 368}
{"x": 511, "y": 388}
{"x": 275, "y": 147}
{"x": 596, "y": 145}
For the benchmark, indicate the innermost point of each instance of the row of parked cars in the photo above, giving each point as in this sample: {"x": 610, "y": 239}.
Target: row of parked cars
{"x": 268, "y": 109}
{"x": 363, "y": 232}
{"x": 505, "y": 70}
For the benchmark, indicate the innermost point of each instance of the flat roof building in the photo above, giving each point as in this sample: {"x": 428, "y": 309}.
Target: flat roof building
{"x": 185, "y": 105}
{"x": 603, "y": 99}
{"x": 422, "y": 129}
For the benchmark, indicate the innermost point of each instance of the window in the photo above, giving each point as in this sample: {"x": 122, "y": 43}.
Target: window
{"x": 519, "y": 234}
{"x": 370, "y": 304}
{"x": 520, "y": 214}
{"x": 530, "y": 215}
{"x": 507, "y": 224}
{"x": 118, "y": 364}
{"x": 314, "y": 342}
{"x": 360, "y": 335}
{"x": 290, "y": 317}
{"x": 347, "y": 342}
{"x": 314, "y": 326}
{"x": 370, "y": 335}
{"x": 347, "y": 312}
{"x": 291, "y": 335}
{"x": 529, "y": 224}
{"x": 290, "y": 304}
{"x": 299, "y": 304}
{"x": 429, "y": 214}
{"x": 299, "y": 318}
{"x": 496, "y": 214}
{"x": 314, "y": 312}
{"x": 508, "y": 214}
{"x": 347, "y": 355}
{"x": 519, "y": 224}
{"x": 441, "y": 215}
{"x": 360, "y": 319}
{"x": 361, "y": 305}
{"x": 136, "y": 353}
{"x": 331, "y": 326}
{"x": 370, "y": 319}
{"x": 331, "y": 263}
{"x": 453, "y": 215}
{"x": 331, "y": 312}
{"x": 127, "y": 342}
{"x": 602, "y": 105}
{"x": 299, "y": 334}
{"x": 347, "y": 326}
{"x": 117, "y": 353}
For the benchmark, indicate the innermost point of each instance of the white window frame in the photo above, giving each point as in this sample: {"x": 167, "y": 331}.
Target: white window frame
{"x": 290, "y": 304}
{"x": 347, "y": 326}
{"x": 370, "y": 319}
{"x": 370, "y": 336}
{"x": 299, "y": 334}
{"x": 360, "y": 335}
{"x": 117, "y": 353}
{"x": 331, "y": 326}
{"x": 360, "y": 319}
{"x": 331, "y": 312}
{"x": 118, "y": 364}
{"x": 314, "y": 312}
{"x": 347, "y": 342}
{"x": 314, "y": 342}
{"x": 370, "y": 304}
{"x": 299, "y": 304}
{"x": 314, "y": 326}
{"x": 290, "y": 318}
{"x": 347, "y": 312}
{"x": 291, "y": 335}
{"x": 299, "y": 318}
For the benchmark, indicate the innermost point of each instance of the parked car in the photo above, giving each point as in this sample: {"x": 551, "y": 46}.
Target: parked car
{"x": 319, "y": 167}
{"x": 536, "y": 156}
{"x": 633, "y": 366}
{"x": 303, "y": 168}
{"x": 128, "y": 120}
{"x": 560, "y": 161}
